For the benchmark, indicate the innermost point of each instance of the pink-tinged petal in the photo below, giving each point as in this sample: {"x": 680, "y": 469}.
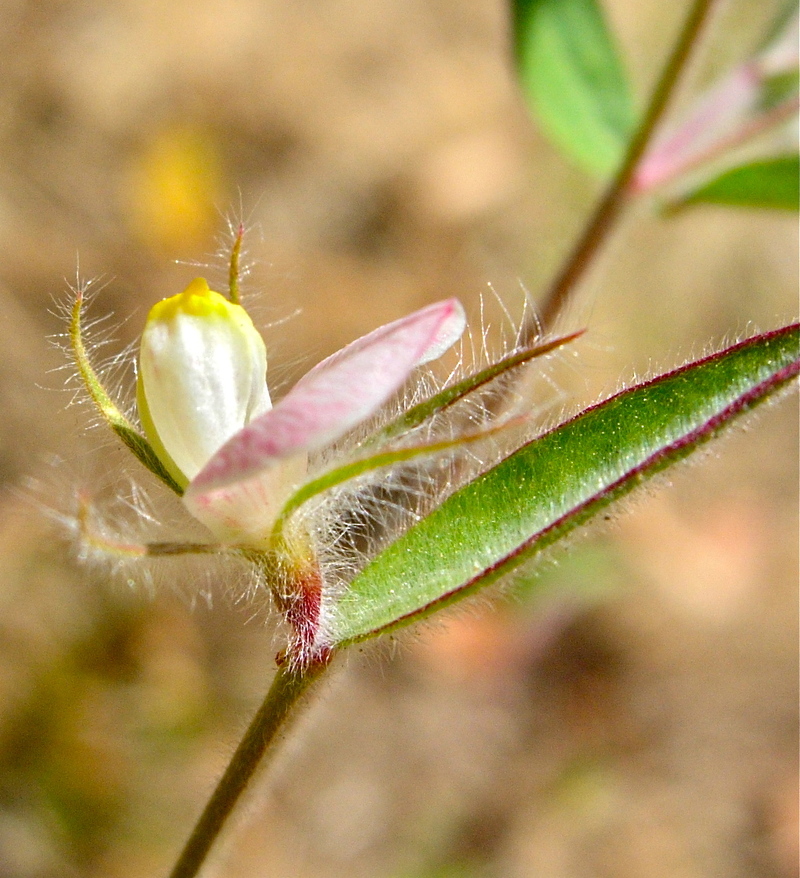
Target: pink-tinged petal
{"x": 718, "y": 112}
{"x": 334, "y": 396}
{"x": 435, "y": 329}
{"x": 244, "y": 512}
{"x": 454, "y": 322}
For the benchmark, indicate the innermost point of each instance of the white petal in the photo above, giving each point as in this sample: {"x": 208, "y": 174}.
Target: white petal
{"x": 244, "y": 512}
{"x": 203, "y": 370}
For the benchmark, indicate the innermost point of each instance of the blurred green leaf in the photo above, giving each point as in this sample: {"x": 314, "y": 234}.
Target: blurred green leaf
{"x": 777, "y": 89}
{"x": 573, "y": 76}
{"x": 771, "y": 183}
{"x": 550, "y": 486}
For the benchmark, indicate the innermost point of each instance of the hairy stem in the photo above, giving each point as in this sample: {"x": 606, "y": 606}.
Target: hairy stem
{"x": 280, "y": 703}
{"x": 603, "y": 219}
{"x": 233, "y": 267}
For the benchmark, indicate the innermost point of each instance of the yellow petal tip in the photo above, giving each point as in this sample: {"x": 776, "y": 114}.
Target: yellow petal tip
{"x": 197, "y": 300}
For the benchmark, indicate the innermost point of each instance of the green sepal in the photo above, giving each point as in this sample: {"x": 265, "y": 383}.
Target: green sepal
{"x": 107, "y": 408}
{"x": 356, "y": 468}
{"x": 425, "y": 410}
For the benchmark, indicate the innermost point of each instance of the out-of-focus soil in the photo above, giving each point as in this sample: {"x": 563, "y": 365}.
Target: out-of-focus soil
{"x": 637, "y": 717}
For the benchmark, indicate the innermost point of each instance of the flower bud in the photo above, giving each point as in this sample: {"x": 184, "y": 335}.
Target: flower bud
{"x": 202, "y": 377}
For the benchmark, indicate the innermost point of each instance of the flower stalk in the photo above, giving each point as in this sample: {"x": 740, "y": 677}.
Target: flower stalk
{"x": 290, "y": 686}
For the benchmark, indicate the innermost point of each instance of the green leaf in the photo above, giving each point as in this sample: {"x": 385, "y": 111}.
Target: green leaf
{"x": 771, "y": 183}
{"x": 553, "y": 484}
{"x": 777, "y": 89}
{"x": 575, "y": 80}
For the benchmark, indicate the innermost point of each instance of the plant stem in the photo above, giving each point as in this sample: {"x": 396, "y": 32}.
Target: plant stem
{"x": 610, "y": 206}
{"x": 278, "y": 706}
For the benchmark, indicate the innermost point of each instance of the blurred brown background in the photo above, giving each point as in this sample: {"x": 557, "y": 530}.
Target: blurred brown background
{"x": 638, "y": 717}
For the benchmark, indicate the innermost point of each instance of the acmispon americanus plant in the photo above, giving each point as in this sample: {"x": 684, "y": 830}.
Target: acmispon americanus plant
{"x": 210, "y": 431}
{"x": 271, "y": 482}
{"x": 206, "y": 411}
{"x": 274, "y": 484}
{"x": 241, "y": 465}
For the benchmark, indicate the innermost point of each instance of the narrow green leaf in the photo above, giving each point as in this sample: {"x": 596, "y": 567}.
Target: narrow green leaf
{"x": 559, "y": 481}
{"x": 106, "y": 406}
{"x": 425, "y": 410}
{"x": 573, "y": 75}
{"x": 771, "y": 183}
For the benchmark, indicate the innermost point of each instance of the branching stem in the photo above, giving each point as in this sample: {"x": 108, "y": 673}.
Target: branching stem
{"x": 602, "y": 221}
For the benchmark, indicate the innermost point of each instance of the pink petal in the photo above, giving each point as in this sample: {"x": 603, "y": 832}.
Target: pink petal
{"x": 245, "y": 511}
{"x": 715, "y": 115}
{"x": 335, "y": 395}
